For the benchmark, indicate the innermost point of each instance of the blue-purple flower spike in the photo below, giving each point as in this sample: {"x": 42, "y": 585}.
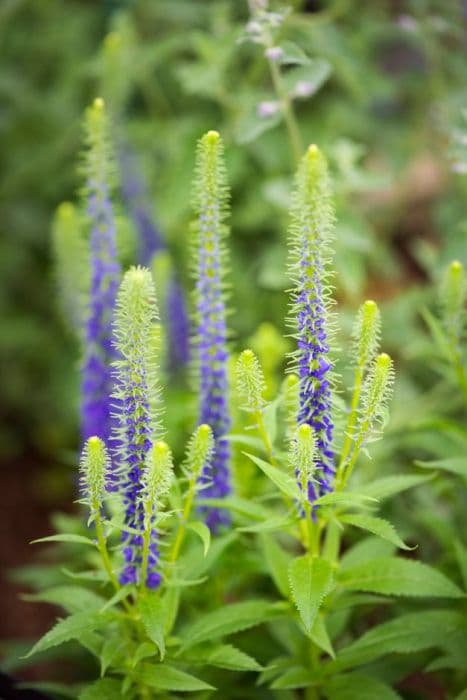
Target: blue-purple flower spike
{"x": 138, "y": 408}
{"x": 211, "y": 200}
{"x": 310, "y": 233}
{"x": 96, "y": 384}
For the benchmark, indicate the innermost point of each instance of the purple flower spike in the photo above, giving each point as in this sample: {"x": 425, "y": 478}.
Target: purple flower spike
{"x": 211, "y": 328}
{"x": 96, "y": 384}
{"x": 312, "y": 220}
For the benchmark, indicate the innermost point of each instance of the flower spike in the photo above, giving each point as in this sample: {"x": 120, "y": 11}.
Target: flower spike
{"x": 96, "y": 385}
{"x": 310, "y": 235}
{"x": 210, "y": 201}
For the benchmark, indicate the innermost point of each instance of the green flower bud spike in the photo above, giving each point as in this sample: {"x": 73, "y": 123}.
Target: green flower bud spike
{"x": 156, "y": 482}
{"x": 302, "y": 454}
{"x": 291, "y": 398}
{"x": 366, "y": 335}
{"x": 251, "y": 387}
{"x": 200, "y": 451}
{"x": 94, "y": 470}
{"x": 71, "y": 266}
{"x": 376, "y": 393}
{"x": 453, "y": 298}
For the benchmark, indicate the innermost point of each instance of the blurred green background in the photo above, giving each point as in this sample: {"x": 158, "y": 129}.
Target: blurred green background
{"x": 385, "y": 99}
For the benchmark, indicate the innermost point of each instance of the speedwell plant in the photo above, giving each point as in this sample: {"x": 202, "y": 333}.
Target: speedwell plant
{"x": 194, "y": 571}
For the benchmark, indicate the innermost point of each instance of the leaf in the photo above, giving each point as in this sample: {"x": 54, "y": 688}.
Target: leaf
{"x": 462, "y": 696}
{"x": 319, "y": 635}
{"x": 229, "y": 619}
{"x": 454, "y": 465}
{"x": 295, "y": 677}
{"x": 408, "y": 633}
{"x": 280, "y": 523}
{"x": 163, "y": 677}
{"x": 103, "y": 689}
{"x": 305, "y": 80}
{"x": 356, "y": 686}
{"x": 70, "y": 598}
{"x": 348, "y": 498}
{"x": 461, "y": 556}
{"x": 121, "y": 594}
{"x": 277, "y": 562}
{"x": 242, "y": 506}
{"x": 368, "y": 548}
{"x": 196, "y": 566}
{"x": 377, "y": 526}
{"x": 153, "y": 618}
{"x": 203, "y": 532}
{"x": 390, "y": 485}
{"x": 310, "y": 581}
{"x": 112, "y": 649}
{"x": 75, "y": 539}
{"x": 144, "y": 651}
{"x": 392, "y": 576}
{"x": 293, "y": 55}
{"x": 69, "y": 628}
{"x": 251, "y": 126}
{"x": 285, "y": 483}
{"x": 231, "y": 658}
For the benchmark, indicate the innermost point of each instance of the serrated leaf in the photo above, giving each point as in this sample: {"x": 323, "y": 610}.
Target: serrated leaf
{"x": 285, "y": 483}
{"x": 70, "y": 628}
{"x": 391, "y": 485}
{"x": 163, "y": 677}
{"x": 319, "y": 635}
{"x": 295, "y": 677}
{"x": 356, "y": 686}
{"x": 368, "y": 548}
{"x": 70, "y": 598}
{"x": 203, "y": 532}
{"x": 310, "y": 581}
{"x": 196, "y": 566}
{"x": 229, "y": 657}
{"x": 408, "y": 633}
{"x": 377, "y": 526}
{"x": 112, "y": 648}
{"x": 144, "y": 651}
{"x": 242, "y": 506}
{"x": 280, "y": 523}
{"x": 393, "y": 576}
{"x": 103, "y": 689}
{"x": 277, "y": 562}
{"x": 152, "y": 612}
{"x": 347, "y": 498}
{"x": 71, "y": 539}
{"x": 229, "y": 619}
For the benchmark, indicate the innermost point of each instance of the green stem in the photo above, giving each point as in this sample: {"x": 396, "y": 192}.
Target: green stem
{"x": 146, "y": 543}
{"x": 348, "y": 467}
{"x": 460, "y": 372}
{"x": 351, "y": 422}
{"x": 180, "y": 536}
{"x": 264, "y": 436}
{"x": 102, "y": 546}
{"x": 287, "y": 110}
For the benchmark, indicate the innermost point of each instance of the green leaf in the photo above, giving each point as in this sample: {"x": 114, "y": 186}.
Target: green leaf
{"x": 310, "y": 581}
{"x": 377, "y": 526}
{"x": 152, "y": 612}
{"x": 121, "y": 594}
{"x": 408, "y": 633}
{"x": 391, "y": 485}
{"x": 368, "y": 548}
{"x": 392, "y": 576}
{"x": 348, "y": 498}
{"x": 70, "y": 628}
{"x": 356, "y": 686}
{"x": 293, "y": 55}
{"x": 144, "y": 651}
{"x": 461, "y": 556}
{"x": 277, "y": 562}
{"x": 280, "y": 523}
{"x": 231, "y": 658}
{"x": 75, "y": 539}
{"x": 462, "y": 696}
{"x": 112, "y": 649}
{"x": 229, "y": 619}
{"x": 285, "y": 483}
{"x": 242, "y": 506}
{"x": 103, "y": 689}
{"x": 163, "y": 677}
{"x": 295, "y": 677}
{"x": 454, "y": 465}
{"x": 319, "y": 635}
{"x": 203, "y": 532}
{"x": 314, "y": 74}
{"x": 70, "y": 598}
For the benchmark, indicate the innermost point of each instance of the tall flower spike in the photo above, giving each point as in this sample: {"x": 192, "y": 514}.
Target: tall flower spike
{"x": 96, "y": 385}
{"x": 211, "y": 199}
{"x": 310, "y": 234}
{"x": 138, "y": 406}
{"x": 302, "y": 456}
{"x": 71, "y": 265}
{"x": 366, "y": 333}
